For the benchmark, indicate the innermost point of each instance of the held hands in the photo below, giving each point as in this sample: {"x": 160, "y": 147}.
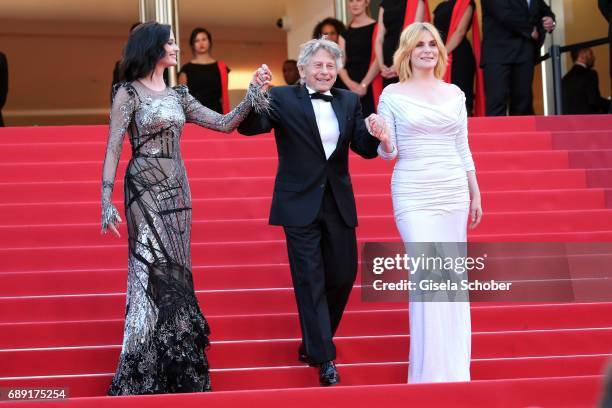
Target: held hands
{"x": 475, "y": 212}
{"x": 262, "y": 78}
{"x": 376, "y": 126}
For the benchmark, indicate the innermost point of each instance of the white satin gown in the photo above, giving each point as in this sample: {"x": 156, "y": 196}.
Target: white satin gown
{"x": 431, "y": 204}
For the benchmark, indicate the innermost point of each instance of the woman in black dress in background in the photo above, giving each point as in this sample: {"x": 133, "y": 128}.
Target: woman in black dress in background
{"x": 356, "y": 43}
{"x": 458, "y": 47}
{"x": 392, "y": 19}
{"x": 203, "y": 75}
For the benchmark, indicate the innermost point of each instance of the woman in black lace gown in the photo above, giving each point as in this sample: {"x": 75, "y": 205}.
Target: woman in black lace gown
{"x": 165, "y": 332}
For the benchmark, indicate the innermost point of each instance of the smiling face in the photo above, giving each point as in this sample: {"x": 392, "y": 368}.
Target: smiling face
{"x": 172, "y": 51}
{"x": 425, "y": 54}
{"x": 320, "y": 72}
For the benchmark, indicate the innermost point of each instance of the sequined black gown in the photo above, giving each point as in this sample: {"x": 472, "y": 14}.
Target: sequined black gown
{"x": 165, "y": 332}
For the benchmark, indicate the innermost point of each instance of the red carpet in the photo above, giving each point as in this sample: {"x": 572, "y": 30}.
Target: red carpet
{"x": 62, "y": 284}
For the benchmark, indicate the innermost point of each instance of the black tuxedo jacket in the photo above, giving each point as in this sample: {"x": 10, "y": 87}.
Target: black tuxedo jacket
{"x": 507, "y": 27}
{"x": 581, "y": 92}
{"x": 303, "y": 171}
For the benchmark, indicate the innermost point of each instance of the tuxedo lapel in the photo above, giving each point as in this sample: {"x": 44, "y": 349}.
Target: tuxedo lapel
{"x": 532, "y": 8}
{"x": 310, "y": 118}
{"x": 523, "y": 4}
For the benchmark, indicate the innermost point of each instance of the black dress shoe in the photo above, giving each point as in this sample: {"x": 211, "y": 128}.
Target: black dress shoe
{"x": 328, "y": 374}
{"x": 304, "y": 358}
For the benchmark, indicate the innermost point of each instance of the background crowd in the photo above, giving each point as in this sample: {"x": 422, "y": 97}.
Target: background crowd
{"x": 496, "y": 72}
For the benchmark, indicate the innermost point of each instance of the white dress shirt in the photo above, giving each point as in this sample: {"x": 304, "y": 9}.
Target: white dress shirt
{"x": 326, "y": 122}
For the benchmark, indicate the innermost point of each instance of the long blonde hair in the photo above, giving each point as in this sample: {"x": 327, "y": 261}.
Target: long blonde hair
{"x": 408, "y": 41}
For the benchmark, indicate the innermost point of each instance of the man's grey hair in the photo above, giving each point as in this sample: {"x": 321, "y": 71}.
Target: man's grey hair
{"x": 310, "y": 48}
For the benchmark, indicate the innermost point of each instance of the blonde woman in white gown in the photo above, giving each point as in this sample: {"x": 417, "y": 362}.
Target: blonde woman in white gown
{"x": 425, "y": 129}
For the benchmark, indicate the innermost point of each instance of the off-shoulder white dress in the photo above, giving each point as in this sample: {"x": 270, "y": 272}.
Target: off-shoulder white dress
{"x": 431, "y": 204}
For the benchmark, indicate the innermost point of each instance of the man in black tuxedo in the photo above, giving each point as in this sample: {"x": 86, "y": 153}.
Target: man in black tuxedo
{"x": 581, "y": 86}
{"x": 3, "y": 84}
{"x": 314, "y": 127}
{"x": 513, "y": 32}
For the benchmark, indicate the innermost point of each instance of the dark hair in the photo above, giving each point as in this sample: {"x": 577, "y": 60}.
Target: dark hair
{"x": 194, "y": 34}
{"x": 338, "y": 25}
{"x": 290, "y": 61}
{"x": 144, "y": 49}
{"x": 575, "y": 53}
{"x": 134, "y": 26}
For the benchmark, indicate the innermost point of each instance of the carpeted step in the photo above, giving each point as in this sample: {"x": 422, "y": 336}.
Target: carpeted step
{"x": 364, "y": 374}
{"x": 485, "y": 318}
{"x": 370, "y": 227}
{"x": 553, "y": 123}
{"x": 252, "y": 276}
{"x": 590, "y": 159}
{"x": 96, "y": 306}
{"x": 221, "y": 253}
{"x": 283, "y": 352}
{"x": 266, "y": 166}
{"x": 235, "y": 146}
{"x": 591, "y": 140}
{"x": 541, "y": 392}
{"x": 239, "y": 187}
{"x": 81, "y": 212}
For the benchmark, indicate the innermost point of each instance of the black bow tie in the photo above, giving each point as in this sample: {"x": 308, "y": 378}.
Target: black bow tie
{"x": 319, "y": 95}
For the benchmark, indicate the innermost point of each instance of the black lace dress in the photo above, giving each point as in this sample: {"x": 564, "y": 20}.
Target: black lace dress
{"x": 464, "y": 62}
{"x": 165, "y": 333}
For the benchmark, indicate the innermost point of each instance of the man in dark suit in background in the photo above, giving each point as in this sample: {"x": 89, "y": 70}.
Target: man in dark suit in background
{"x": 3, "y": 84}
{"x": 581, "y": 86}
{"x": 290, "y": 72}
{"x": 314, "y": 127}
{"x": 605, "y": 6}
{"x": 513, "y": 32}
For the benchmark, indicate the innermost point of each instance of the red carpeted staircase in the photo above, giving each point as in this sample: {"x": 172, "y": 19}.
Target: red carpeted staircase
{"x": 62, "y": 284}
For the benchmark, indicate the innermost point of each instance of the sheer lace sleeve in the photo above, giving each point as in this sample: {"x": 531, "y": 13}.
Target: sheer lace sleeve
{"x": 461, "y": 141}
{"x": 385, "y": 112}
{"x": 121, "y": 115}
{"x": 197, "y": 113}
